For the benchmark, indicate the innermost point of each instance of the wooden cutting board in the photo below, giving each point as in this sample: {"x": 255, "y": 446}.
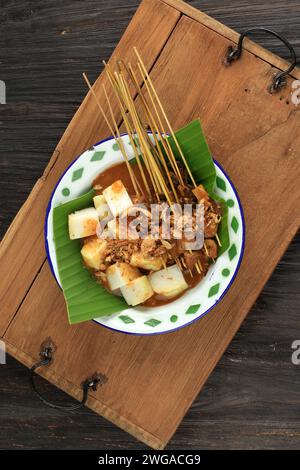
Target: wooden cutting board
{"x": 152, "y": 380}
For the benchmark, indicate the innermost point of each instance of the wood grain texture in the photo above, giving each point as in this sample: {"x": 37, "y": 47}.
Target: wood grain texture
{"x": 274, "y": 433}
{"x": 232, "y": 35}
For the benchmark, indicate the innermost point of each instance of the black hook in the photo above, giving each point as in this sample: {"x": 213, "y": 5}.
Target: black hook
{"x": 234, "y": 53}
{"x": 92, "y": 383}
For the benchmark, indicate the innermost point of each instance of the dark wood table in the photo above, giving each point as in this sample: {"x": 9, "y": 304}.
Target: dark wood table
{"x": 252, "y": 400}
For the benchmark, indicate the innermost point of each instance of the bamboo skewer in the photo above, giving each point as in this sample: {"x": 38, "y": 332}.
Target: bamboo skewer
{"x": 199, "y": 266}
{"x": 129, "y": 131}
{"x": 177, "y": 261}
{"x": 155, "y": 156}
{"x": 131, "y": 73}
{"x": 165, "y": 142}
{"x": 121, "y": 145}
{"x": 206, "y": 250}
{"x": 137, "y": 126}
{"x": 163, "y": 132}
{"x": 164, "y": 115}
{"x": 152, "y": 164}
{"x": 99, "y": 105}
{"x": 154, "y": 129}
{"x": 110, "y": 128}
{"x": 191, "y": 273}
{"x": 118, "y": 90}
{"x": 133, "y": 78}
{"x": 163, "y": 262}
{"x": 218, "y": 240}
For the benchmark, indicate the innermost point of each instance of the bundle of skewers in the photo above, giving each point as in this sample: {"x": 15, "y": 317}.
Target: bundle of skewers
{"x": 154, "y": 267}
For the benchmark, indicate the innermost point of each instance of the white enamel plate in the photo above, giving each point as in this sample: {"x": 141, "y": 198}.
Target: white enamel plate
{"x": 194, "y": 303}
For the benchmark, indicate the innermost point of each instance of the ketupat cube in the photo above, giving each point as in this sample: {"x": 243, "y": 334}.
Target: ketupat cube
{"x": 93, "y": 252}
{"x": 137, "y": 291}
{"x": 117, "y": 198}
{"x": 83, "y": 223}
{"x": 101, "y": 206}
{"x": 120, "y": 274}
{"x": 168, "y": 282}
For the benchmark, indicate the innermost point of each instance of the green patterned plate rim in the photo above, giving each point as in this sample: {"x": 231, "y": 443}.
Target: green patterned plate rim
{"x": 195, "y": 303}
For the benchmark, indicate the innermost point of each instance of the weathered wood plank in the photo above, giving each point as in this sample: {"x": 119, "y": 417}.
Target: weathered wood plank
{"x": 250, "y": 401}
{"x": 232, "y": 35}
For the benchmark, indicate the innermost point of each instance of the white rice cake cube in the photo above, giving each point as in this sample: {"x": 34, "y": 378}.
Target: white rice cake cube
{"x": 101, "y": 206}
{"x": 93, "y": 253}
{"x": 117, "y": 198}
{"x": 168, "y": 282}
{"x": 83, "y": 223}
{"x": 120, "y": 274}
{"x": 138, "y": 291}
{"x": 112, "y": 228}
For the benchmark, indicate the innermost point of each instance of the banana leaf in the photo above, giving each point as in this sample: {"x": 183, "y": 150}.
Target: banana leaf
{"x": 85, "y": 298}
{"x": 197, "y": 154}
